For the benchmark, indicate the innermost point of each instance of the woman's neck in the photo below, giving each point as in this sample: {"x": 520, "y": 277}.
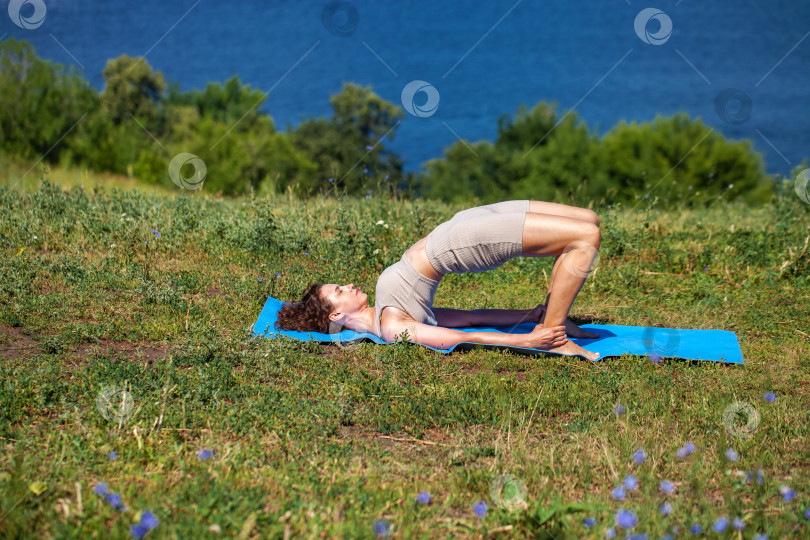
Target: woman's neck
{"x": 363, "y": 322}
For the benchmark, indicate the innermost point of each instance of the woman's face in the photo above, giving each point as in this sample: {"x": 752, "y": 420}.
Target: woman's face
{"x": 345, "y": 299}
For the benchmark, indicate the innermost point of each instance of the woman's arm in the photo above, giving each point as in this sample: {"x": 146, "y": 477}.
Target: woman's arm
{"x": 444, "y": 338}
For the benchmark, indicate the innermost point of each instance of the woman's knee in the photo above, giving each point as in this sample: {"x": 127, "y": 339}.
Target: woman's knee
{"x": 592, "y": 234}
{"x": 590, "y": 216}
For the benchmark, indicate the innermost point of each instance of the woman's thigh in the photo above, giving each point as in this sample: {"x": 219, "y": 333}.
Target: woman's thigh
{"x": 556, "y": 209}
{"x": 546, "y": 235}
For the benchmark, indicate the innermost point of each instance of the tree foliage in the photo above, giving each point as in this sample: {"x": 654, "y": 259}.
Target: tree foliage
{"x": 138, "y": 123}
{"x": 349, "y": 147}
{"x": 538, "y": 155}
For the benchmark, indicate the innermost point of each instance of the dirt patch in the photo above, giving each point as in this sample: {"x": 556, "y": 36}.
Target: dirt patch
{"x": 13, "y": 344}
{"x": 134, "y": 351}
{"x": 213, "y": 292}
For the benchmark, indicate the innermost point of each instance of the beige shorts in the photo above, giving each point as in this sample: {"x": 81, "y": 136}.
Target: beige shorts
{"x": 478, "y": 239}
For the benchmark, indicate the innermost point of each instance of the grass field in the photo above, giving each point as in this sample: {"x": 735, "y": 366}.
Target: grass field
{"x": 127, "y": 360}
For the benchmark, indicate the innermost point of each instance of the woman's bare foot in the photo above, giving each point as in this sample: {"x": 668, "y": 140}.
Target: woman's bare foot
{"x": 569, "y": 347}
{"x": 538, "y": 314}
{"x": 574, "y": 331}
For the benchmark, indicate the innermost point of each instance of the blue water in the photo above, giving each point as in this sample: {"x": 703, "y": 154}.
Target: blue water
{"x": 484, "y": 58}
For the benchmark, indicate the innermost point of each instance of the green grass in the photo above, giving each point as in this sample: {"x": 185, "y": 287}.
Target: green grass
{"x": 319, "y": 441}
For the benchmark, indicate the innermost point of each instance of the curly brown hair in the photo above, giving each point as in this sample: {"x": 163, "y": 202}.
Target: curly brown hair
{"x": 310, "y": 314}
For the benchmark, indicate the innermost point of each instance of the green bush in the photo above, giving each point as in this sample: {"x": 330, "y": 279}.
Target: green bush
{"x": 539, "y": 156}
{"x": 135, "y": 126}
{"x": 40, "y": 102}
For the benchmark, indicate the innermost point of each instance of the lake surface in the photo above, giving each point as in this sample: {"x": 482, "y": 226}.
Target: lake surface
{"x": 483, "y": 58}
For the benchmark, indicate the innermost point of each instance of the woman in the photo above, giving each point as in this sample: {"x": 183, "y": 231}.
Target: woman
{"x": 474, "y": 240}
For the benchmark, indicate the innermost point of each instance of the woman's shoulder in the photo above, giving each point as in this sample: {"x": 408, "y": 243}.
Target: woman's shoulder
{"x": 391, "y": 316}
{"x": 393, "y": 313}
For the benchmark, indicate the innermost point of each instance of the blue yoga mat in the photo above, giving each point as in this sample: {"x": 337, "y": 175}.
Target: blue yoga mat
{"x": 710, "y": 345}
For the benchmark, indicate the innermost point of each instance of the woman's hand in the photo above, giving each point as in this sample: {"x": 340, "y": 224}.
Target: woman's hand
{"x": 546, "y": 338}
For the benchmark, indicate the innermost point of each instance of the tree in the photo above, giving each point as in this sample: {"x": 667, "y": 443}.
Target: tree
{"x": 349, "y": 147}
{"x": 132, "y": 89}
{"x": 40, "y": 103}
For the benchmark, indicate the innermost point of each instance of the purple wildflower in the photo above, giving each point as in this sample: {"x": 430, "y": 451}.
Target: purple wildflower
{"x": 696, "y": 529}
{"x": 666, "y": 509}
{"x": 750, "y": 474}
{"x": 618, "y": 493}
{"x": 381, "y": 528}
{"x": 306, "y": 253}
{"x": 260, "y": 280}
{"x": 639, "y": 536}
{"x": 147, "y": 523}
{"x": 589, "y": 522}
{"x": 112, "y": 456}
{"x": 369, "y": 148}
{"x": 149, "y": 520}
{"x": 626, "y": 519}
{"x": 205, "y": 453}
{"x": 278, "y": 275}
{"x": 705, "y": 267}
{"x": 368, "y": 197}
{"x": 761, "y": 536}
{"x": 331, "y": 180}
{"x": 770, "y": 397}
{"x": 720, "y": 525}
{"x": 100, "y": 489}
{"x": 365, "y": 170}
{"x": 732, "y": 455}
{"x": 666, "y": 486}
{"x": 423, "y": 498}
{"x": 738, "y": 524}
{"x": 619, "y": 409}
{"x": 480, "y": 508}
{"x": 685, "y": 450}
{"x": 807, "y": 513}
{"x": 630, "y": 482}
{"x": 610, "y": 533}
{"x": 787, "y": 493}
{"x": 138, "y": 531}
{"x": 640, "y": 456}
{"x": 115, "y": 501}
